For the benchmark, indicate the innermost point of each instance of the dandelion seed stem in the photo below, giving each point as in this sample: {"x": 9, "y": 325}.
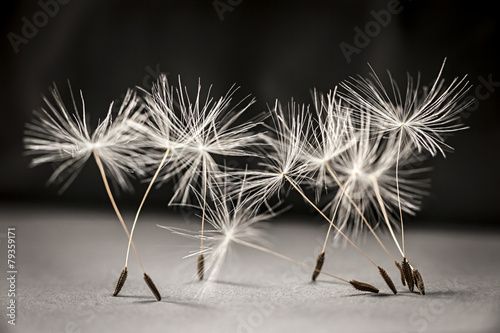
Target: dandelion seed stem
{"x": 332, "y": 173}
{"x": 204, "y": 202}
{"x": 276, "y": 254}
{"x": 397, "y": 190}
{"x": 110, "y": 195}
{"x": 326, "y": 218}
{"x": 333, "y": 218}
{"x": 144, "y": 200}
{"x": 384, "y": 212}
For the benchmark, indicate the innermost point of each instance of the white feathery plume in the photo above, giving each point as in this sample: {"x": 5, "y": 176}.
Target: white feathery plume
{"x": 423, "y": 116}
{"x": 329, "y": 138}
{"x": 56, "y": 136}
{"x": 210, "y": 130}
{"x": 372, "y": 160}
{"x": 59, "y": 137}
{"x": 286, "y": 151}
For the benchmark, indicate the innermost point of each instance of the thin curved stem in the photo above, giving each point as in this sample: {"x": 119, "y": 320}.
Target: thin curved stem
{"x": 332, "y": 173}
{"x": 110, "y": 195}
{"x": 326, "y": 218}
{"x": 384, "y": 212}
{"x": 397, "y": 190}
{"x": 333, "y": 219}
{"x": 276, "y": 254}
{"x": 144, "y": 200}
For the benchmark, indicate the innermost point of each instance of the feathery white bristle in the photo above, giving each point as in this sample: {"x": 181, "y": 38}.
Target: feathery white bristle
{"x": 57, "y": 136}
{"x": 284, "y": 152}
{"x": 197, "y": 131}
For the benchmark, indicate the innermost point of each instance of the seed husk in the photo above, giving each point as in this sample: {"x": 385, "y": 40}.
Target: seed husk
{"x": 419, "y": 281}
{"x": 201, "y": 266}
{"x": 152, "y": 286}
{"x": 319, "y": 265}
{"x": 387, "y": 279}
{"x": 121, "y": 281}
{"x": 405, "y": 265}
{"x": 363, "y": 286}
{"x": 403, "y": 281}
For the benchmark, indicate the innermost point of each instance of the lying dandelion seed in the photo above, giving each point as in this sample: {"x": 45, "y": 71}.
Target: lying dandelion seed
{"x": 235, "y": 220}
{"x": 56, "y": 136}
{"x": 420, "y": 118}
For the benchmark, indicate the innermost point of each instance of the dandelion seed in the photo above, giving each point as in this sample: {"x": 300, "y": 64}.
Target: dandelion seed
{"x": 121, "y": 281}
{"x": 403, "y": 281}
{"x": 363, "y": 286}
{"x": 419, "y": 282}
{"x": 319, "y": 264}
{"x": 421, "y": 118}
{"x": 56, "y": 136}
{"x": 407, "y": 271}
{"x": 387, "y": 280}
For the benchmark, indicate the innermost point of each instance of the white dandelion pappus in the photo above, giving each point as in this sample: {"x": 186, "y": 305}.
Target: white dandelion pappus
{"x": 423, "y": 116}
{"x": 329, "y": 138}
{"x": 55, "y": 136}
{"x": 209, "y": 129}
{"x": 284, "y": 152}
{"x": 372, "y": 160}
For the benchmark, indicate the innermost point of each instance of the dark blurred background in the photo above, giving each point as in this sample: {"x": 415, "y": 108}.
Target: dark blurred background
{"x": 272, "y": 49}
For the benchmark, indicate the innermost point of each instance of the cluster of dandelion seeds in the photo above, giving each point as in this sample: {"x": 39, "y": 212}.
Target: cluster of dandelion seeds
{"x": 359, "y": 147}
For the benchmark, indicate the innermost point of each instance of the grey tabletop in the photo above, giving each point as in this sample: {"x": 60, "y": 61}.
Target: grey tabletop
{"x": 67, "y": 263}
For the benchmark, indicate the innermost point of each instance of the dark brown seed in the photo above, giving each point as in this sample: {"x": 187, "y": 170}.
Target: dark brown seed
{"x": 387, "y": 279}
{"x": 405, "y": 265}
{"x": 121, "y": 281}
{"x": 402, "y": 274}
{"x": 363, "y": 286}
{"x": 152, "y": 286}
{"x": 419, "y": 281}
{"x": 319, "y": 265}
{"x": 201, "y": 266}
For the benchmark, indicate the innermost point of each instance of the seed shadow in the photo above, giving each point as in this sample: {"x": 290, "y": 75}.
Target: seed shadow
{"x": 134, "y": 296}
{"x": 439, "y": 293}
{"x": 227, "y": 283}
{"x": 235, "y": 284}
{"x": 371, "y": 295}
{"x": 175, "y": 302}
{"x": 325, "y": 281}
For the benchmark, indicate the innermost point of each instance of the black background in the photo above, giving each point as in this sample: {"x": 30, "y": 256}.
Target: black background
{"x": 272, "y": 49}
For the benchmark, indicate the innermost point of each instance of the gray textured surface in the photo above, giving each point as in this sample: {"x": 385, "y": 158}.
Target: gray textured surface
{"x": 68, "y": 262}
